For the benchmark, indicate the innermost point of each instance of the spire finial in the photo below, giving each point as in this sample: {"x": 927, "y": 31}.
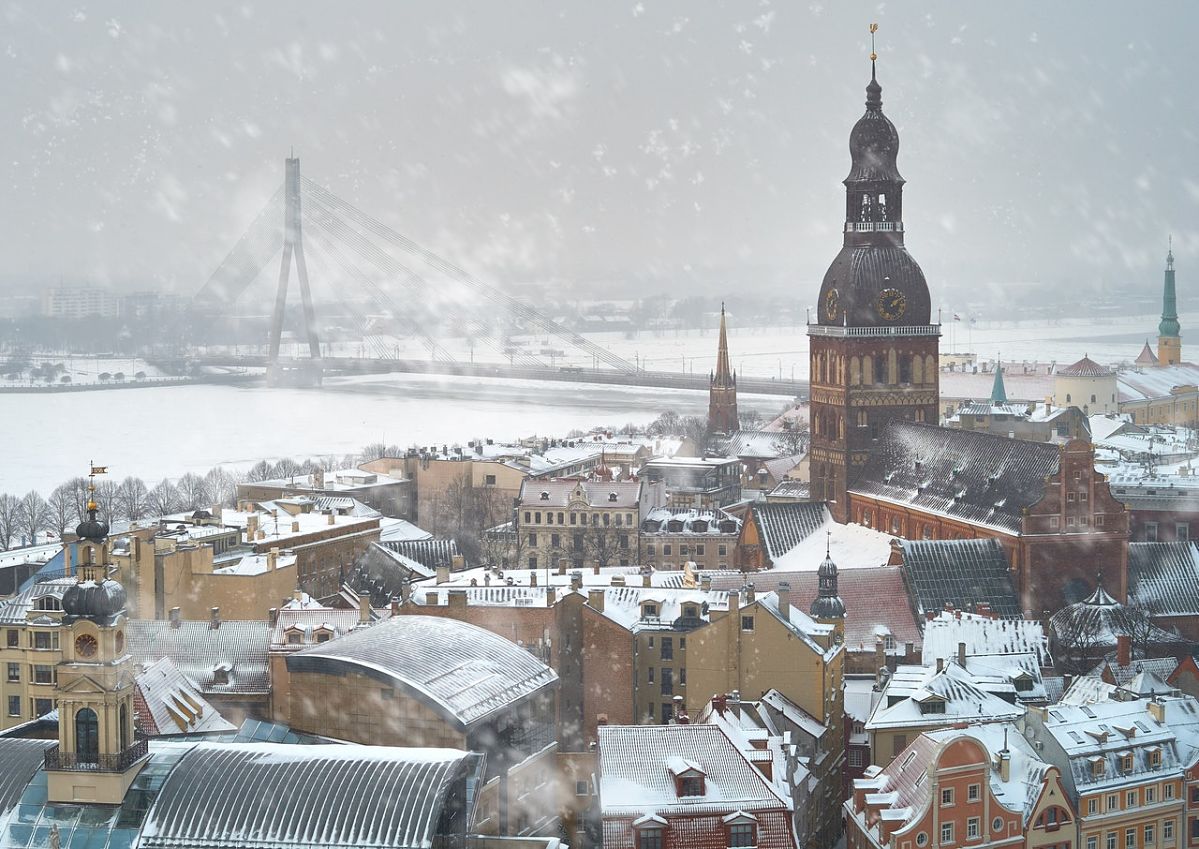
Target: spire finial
{"x": 828, "y": 543}
{"x": 873, "y": 55}
{"x": 874, "y": 91}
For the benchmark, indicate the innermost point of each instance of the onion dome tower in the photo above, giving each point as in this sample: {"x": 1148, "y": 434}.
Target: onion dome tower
{"x": 874, "y": 350}
{"x": 98, "y": 754}
{"x": 722, "y": 390}
{"x": 1169, "y": 339}
{"x": 828, "y": 608}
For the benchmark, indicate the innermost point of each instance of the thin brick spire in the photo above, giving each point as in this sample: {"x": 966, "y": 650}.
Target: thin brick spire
{"x": 724, "y": 373}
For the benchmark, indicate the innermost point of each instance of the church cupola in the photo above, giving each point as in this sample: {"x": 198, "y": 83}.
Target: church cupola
{"x": 98, "y": 753}
{"x": 1169, "y": 339}
{"x": 827, "y": 606}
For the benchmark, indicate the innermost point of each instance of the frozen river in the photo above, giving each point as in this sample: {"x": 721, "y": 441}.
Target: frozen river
{"x": 165, "y": 432}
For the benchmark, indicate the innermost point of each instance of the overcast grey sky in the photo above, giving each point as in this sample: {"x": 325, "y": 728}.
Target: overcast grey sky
{"x": 694, "y": 144}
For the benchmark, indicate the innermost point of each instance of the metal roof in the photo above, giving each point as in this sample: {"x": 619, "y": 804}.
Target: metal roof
{"x": 960, "y": 572}
{"x": 785, "y": 526}
{"x": 21, "y": 759}
{"x": 198, "y": 649}
{"x": 275, "y": 795}
{"x": 969, "y": 475}
{"x": 1164, "y": 577}
{"x": 429, "y": 553}
{"x": 463, "y": 672}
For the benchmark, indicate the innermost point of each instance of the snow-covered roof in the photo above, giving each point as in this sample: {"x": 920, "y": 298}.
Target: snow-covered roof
{"x": 1158, "y": 382}
{"x": 757, "y": 444}
{"x": 983, "y": 635}
{"x": 689, "y": 520}
{"x": 1086, "y": 367}
{"x": 258, "y": 564}
{"x": 963, "y": 698}
{"x": 1098, "y": 620}
{"x": 797, "y": 535}
{"x": 308, "y": 623}
{"x": 463, "y": 672}
{"x": 614, "y": 495}
{"x": 401, "y": 530}
{"x": 960, "y": 573}
{"x": 1163, "y": 577}
{"x": 238, "y": 647}
{"x": 168, "y": 703}
{"x": 1027, "y": 770}
{"x": 15, "y": 610}
{"x": 635, "y": 778}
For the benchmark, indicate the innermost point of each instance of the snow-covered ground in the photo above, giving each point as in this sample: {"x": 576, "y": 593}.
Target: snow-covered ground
{"x": 45, "y": 370}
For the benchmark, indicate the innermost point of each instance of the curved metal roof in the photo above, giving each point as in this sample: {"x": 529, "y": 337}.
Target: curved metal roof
{"x": 861, "y": 273}
{"x": 463, "y": 672}
{"x": 266, "y": 795}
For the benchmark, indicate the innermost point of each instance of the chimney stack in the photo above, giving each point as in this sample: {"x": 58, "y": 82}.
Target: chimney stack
{"x": 272, "y": 616}
{"x": 214, "y": 618}
{"x": 364, "y": 609}
{"x": 395, "y": 606}
{"x": 1124, "y": 650}
{"x": 176, "y": 617}
{"x": 595, "y": 597}
{"x": 705, "y": 583}
{"x": 532, "y": 577}
{"x": 457, "y": 563}
{"x": 962, "y": 655}
{"x": 443, "y": 573}
{"x": 784, "y": 595}
{"x": 595, "y": 570}
{"x": 750, "y": 595}
{"x": 457, "y": 598}
{"x": 272, "y": 560}
{"x": 940, "y": 664}
{"x": 562, "y": 565}
{"x": 576, "y": 581}
{"x": 551, "y": 596}
{"x": 332, "y": 520}
{"x": 295, "y": 526}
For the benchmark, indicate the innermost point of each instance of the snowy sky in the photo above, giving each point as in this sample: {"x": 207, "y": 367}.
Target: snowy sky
{"x": 630, "y": 144}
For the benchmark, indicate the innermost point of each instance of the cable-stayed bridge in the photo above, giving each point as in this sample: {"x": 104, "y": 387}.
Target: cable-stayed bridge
{"x": 413, "y": 293}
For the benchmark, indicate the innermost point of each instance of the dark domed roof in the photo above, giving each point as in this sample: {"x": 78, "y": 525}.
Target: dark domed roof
{"x": 91, "y": 527}
{"x": 861, "y": 273}
{"x": 100, "y": 601}
{"x": 828, "y": 604}
{"x": 874, "y": 142}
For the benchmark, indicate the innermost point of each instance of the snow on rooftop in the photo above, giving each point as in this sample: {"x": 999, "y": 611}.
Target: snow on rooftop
{"x": 850, "y": 546}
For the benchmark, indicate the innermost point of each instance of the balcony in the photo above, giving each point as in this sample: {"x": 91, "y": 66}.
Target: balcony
{"x": 64, "y": 762}
{"x": 851, "y": 332}
{"x": 874, "y": 227}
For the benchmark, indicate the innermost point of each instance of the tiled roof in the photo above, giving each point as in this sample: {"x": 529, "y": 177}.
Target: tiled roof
{"x": 463, "y": 672}
{"x": 429, "y": 553}
{"x": 198, "y": 649}
{"x": 1099, "y": 619}
{"x": 1146, "y": 357}
{"x": 963, "y": 697}
{"x": 1086, "y": 367}
{"x": 785, "y": 526}
{"x": 1162, "y": 667}
{"x": 960, "y": 572}
{"x": 635, "y": 780}
{"x": 168, "y": 703}
{"x": 1164, "y": 577}
{"x": 277, "y": 795}
{"x": 876, "y": 603}
{"x": 559, "y": 493}
{"x": 968, "y": 475}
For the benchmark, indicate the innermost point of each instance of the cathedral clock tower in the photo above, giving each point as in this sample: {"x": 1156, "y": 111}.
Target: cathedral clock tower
{"x": 873, "y": 345}
{"x": 98, "y": 754}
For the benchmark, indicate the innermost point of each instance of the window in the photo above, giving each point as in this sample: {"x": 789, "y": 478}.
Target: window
{"x": 1113, "y": 801}
{"x": 667, "y": 713}
{"x": 1151, "y": 532}
{"x": 1130, "y": 838}
{"x": 1130, "y": 798}
{"x": 650, "y": 673}
{"x": 683, "y": 675}
{"x": 649, "y": 838}
{"x": 1182, "y": 531}
{"x": 946, "y": 796}
{"x": 666, "y": 550}
{"x": 1149, "y": 834}
{"x": 14, "y": 705}
{"x": 1168, "y": 830}
{"x": 747, "y": 623}
{"x": 742, "y": 834}
{"x": 1092, "y": 842}
{"x": 220, "y": 675}
{"x": 323, "y": 636}
{"x": 1092, "y": 806}
{"x": 14, "y": 638}
{"x": 856, "y": 758}
{"x": 972, "y": 828}
{"x": 555, "y": 541}
{"x": 946, "y": 833}
{"x": 667, "y": 681}
{"x": 1082, "y": 496}
{"x": 722, "y": 550}
{"x": 1070, "y": 497}
{"x": 488, "y": 480}
{"x": 667, "y": 647}
{"x": 997, "y": 825}
{"x": 532, "y": 561}
{"x": 45, "y": 639}
{"x": 921, "y": 839}
{"x": 691, "y": 785}
{"x": 43, "y": 674}
{"x": 972, "y": 793}
{"x": 14, "y": 672}
{"x": 294, "y": 638}
{"x": 1111, "y": 840}
{"x": 1150, "y": 795}
{"x": 699, "y": 550}
{"x": 532, "y": 539}
{"x": 580, "y": 788}
{"x": 1168, "y": 789}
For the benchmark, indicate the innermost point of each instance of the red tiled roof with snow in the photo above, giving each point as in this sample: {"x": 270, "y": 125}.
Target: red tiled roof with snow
{"x": 1086, "y": 367}
{"x": 1146, "y": 357}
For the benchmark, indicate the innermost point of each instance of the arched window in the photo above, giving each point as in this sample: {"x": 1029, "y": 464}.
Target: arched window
{"x": 868, "y": 370}
{"x": 855, "y": 371}
{"x": 905, "y": 369}
{"x": 917, "y": 369}
{"x": 87, "y": 735}
{"x": 1067, "y": 397}
{"x": 125, "y": 739}
{"x": 892, "y": 368}
{"x": 930, "y": 369}
{"x": 882, "y": 207}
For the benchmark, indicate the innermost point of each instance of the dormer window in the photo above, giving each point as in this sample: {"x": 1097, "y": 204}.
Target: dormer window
{"x": 1097, "y": 767}
{"x": 323, "y": 635}
{"x": 545, "y": 496}
{"x": 688, "y": 776}
{"x": 220, "y": 675}
{"x": 47, "y": 602}
{"x": 1126, "y": 762}
{"x": 612, "y": 497}
{"x": 742, "y": 830}
{"x": 932, "y": 706}
{"x": 1155, "y": 757}
{"x": 691, "y": 785}
{"x": 649, "y": 610}
{"x": 295, "y": 635}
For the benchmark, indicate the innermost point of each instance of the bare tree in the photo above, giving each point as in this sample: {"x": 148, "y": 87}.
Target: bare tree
{"x": 131, "y": 498}
{"x": 64, "y": 509}
{"x": 106, "y": 500}
{"x": 163, "y": 499}
{"x": 192, "y": 492}
{"x": 77, "y": 486}
{"x": 374, "y": 451}
{"x": 10, "y": 507}
{"x": 260, "y": 471}
{"x": 32, "y": 516}
{"x": 1078, "y": 640}
{"x": 605, "y": 546}
{"x": 221, "y": 486}
{"x": 791, "y": 441}
{"x": 750, "y": 420}
{"x": 287, "y": 468}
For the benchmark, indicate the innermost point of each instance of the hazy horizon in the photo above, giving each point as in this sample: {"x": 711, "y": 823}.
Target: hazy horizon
{"x": 624, "y": 149}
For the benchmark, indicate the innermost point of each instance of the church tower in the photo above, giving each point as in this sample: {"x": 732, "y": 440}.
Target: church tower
{"x": 828, "y": 608}
{"x": 1169, "y": 342}
{"x": 98, "y": 755}
{"x": 722, "y": 390}
{"x": 873, "y": 345}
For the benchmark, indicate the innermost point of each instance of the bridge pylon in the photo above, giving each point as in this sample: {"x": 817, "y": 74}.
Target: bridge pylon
{"x": 293, "y": 372}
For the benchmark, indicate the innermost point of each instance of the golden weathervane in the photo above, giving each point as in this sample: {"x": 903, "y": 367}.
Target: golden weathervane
{"x": 873, "y": 30}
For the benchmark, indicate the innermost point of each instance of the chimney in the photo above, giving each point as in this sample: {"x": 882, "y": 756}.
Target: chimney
{"x": 176, "y": 617}
{"x": 272, "y": 560}
{"x": 880, "y": 654}
{"x": 705, "y": 583}
{"x": 443, "y": 573}
{"x": 457, "y": 563}
{"x": 561, "y": 565}
{"x": 295, "y": 526}
{"x": 251, "y": 526}
{"x": 364, "y": 609}
{"x": 576, "y": 581}
{"x": 214, "y": 618}
{"x": 318, "y": 479}
{"x": 1124, "y": 650}
{"x": 551, "y": 596}
{"x": 261, "y": 535}
{"x": 962, "y": 655}
{"x": 735, "y": 703}
{"x": 395, "y": 606}
{"x": 332, "y": 520}
{"x": 645, "y": 581}
{"x": 750, "y": 595}
{"x": 532, "y": 577}
{"x": 297, "y": 594}
{"x": 909, "y": 651}
{"x": 457, "y": 598}
{"x": 595, "y": 597}
{"x": 1157, "y": 709}
{"x": 272, "y": 616}
{"x": 595, "y": 570}
{"x": 784, "y": 595}
{"x": 1005, "y": 761}
{"x": 720, "y": 704}
{"x": 432, "y": 599}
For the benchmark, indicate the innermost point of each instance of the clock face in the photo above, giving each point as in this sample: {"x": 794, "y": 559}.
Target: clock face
{"x": 86, "y": 645}
{"x": 891, "y": 304}
{"x": 832, "y": 303}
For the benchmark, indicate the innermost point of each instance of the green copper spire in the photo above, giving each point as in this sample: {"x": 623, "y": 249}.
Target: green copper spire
{"x": 1169, "y": 325}
{"x": 998, "y": 393}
